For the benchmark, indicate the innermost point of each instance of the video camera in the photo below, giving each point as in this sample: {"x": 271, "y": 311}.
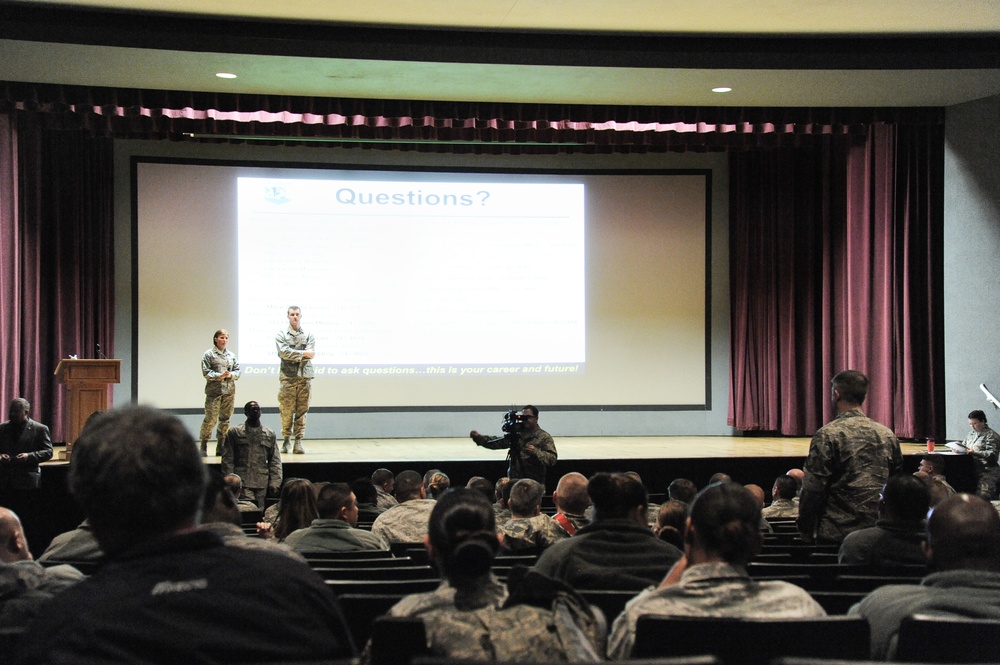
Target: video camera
{"x": 513, "y": 422}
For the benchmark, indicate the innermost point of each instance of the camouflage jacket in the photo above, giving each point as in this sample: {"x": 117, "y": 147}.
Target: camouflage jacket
{"x": 712, "y": 590}
{"x": 290, "y": 345}
{"x": 215, "y": 363}
{"x": 850, "y": 459}
{"x": 251, "y": 453}
{"x": 781, "y": 508}
{"x": 524, "y": 464}
{"x": 983, "y": 446}
{"x": 531, "y": 533}
{"x": 405, "y": 523}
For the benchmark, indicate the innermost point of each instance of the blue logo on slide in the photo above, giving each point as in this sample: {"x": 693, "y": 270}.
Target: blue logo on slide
{"x": 275, "y": 195}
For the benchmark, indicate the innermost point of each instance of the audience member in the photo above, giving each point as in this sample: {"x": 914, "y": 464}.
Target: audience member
{"x": 670, "y": 522}
{"x": 483, "y": 485}
{"x": 220, "y": 515}
{"x": 334, "y": 530}
{"x": 571, "y": 500}
{"x": 757, "y": 492}
{"x": 618, "y": 550}
{"x": 898, "y": 536}
{"x": 850, "y": 459}
{"x": 933, "y": 465}
{"x": 438, "y": 484}
{"x": 80, "y": 545}
{"x": 407, "y": 522}
{"x": 531, "y": 451}
{"x": 367, "y": 498}
{"x": 472, "y": 617}
{"x": 296, "y": 510}
{"x": 25, "y": 586}
{"x": 783, "y": 499}
{"x": 938, "y": 491}
{"x": 384, "y": 483}
{"x": 963, "y": 548}
{"x": 250, "y": 451}
{"x": 652, "y": 509}
{"x": 983, "y": 444}
{"x": 720, "y": 478}
{"x": 798, "y": 475}
{"x": 235, "y": 486}
{"x": 682, "y": 489}
{"x": 170, "y": 592}
{"x": 504, "y": 513}
{"x": 722, "y": 535}
{"x": 528, "y": 528}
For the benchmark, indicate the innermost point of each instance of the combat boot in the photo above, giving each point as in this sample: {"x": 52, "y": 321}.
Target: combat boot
{"x": 218, "y": 448}
{"x": 284, "y": 445}
{"x": 204, "y": 447}
{"x": 298, "y": 450}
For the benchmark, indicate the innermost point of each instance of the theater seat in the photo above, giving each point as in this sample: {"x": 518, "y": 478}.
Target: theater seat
{"x": 936, "y": 639}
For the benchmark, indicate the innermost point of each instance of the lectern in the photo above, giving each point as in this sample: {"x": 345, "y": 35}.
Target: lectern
{"x": 88, "y": 389}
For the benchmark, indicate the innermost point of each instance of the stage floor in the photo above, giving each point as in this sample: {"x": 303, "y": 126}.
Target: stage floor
{"x": 323, "y": 451}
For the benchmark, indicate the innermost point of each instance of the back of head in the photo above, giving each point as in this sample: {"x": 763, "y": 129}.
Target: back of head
{"x": 571, "y": 494}
{"x": 720, "y": 477}
{"x": 333, "y": 497}
{"x": 787, "y": 487}
{"x": 381, "y": 477}
{"x": 364, "y": 491}
{"x": 615, "y": 495}
{"x": 137, "y": 474}
{"x": 906, "y": 498}
{"x": 408, "y": 485}
{"x": 500, "y": 487}
{"x": 13, "y": 544}
{"x": 757, "y": 491}
{"x": 725, "y": 519}
{"x": 438, "y": 485}
{"x": 234, "y": 484}
{"x": 963, "y": 532}
{"x": 682, "y": 489}
{"x": 462, "y": 534}
{"x": 296, "y": 508}
{"x": 526, "y": 497}
{"x": 672, "y": 514}
{"x": 852, "y": 386}
{"x": 481, "y": 485}
{"x": 218, "y": 503}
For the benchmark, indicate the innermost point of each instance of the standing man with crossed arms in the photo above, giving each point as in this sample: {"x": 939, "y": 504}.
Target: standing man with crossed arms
{"x": 296, "y": 349}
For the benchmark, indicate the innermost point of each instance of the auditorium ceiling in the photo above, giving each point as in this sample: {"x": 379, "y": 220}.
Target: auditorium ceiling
{"x": 642, "y": 52}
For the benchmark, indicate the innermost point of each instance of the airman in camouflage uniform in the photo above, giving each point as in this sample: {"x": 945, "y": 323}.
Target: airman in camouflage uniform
{"x": 220, "y": 369}
{"x": 251, "y": 452}
{"x": 531, "y": 533}
{"x": 407, "y": 522}
{"x": 850, "y": 459}
{"x": 296, "y": 349}
{"x": 535, "y": 449}
{"x": 983, "y": 444}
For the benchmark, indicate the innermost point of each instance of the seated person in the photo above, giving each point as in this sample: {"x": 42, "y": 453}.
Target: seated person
{"x": 235, "y": 486}
{"x": 334, "y": 530}
{"x": 80, "y": 544}
{"x": 25, "y": 586}
{"x": 722, "y": 535}
{"x": 170, "y": 592}
{"x": 682, "y": 489}
{"x": 406, "y": 522}
{"x": 898, "y": 535}
{"x": 963, "y": 548}
{"x": 367, "y": 496}
{"x": 571, "y": 500}
{"x": 671, "y": 521}
{"x": 385, "y": 485}
{"x": 758, "y": 494}
{"x": 472, "y": 617}
{"x": 529, "y": 528}
{"x": 933, "y": 465}
{"x": 783, "y": 495}
{"x": 617, "y": 550}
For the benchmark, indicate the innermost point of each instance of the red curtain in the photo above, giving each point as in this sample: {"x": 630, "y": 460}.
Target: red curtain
{"x": 57, "y": 245}
{"x": 833, "y": 266}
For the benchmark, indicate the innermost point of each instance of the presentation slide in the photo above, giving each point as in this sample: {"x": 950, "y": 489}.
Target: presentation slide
{"x": 396, "y": 282}
{"x": 432, "y": 289}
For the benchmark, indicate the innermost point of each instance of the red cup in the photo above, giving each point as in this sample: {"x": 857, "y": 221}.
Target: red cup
{"x": 930, "y": 444}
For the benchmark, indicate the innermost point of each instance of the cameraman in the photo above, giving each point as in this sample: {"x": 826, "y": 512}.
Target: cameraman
{"x": 529, "y": 448}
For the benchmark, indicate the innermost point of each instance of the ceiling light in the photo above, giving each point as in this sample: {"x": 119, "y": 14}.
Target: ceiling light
{"x": 722, "y": 89}
{"x": 225, "y": 75}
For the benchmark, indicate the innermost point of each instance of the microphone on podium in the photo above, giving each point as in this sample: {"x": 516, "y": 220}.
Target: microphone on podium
{"x": 100, "y": 354}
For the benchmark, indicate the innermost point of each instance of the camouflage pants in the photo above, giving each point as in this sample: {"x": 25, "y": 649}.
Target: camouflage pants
{"x": 256, "y": 494}
{"x": 986, "y": 483}
{"x": 218, "y": 408}
{"x": 293, "y": 402}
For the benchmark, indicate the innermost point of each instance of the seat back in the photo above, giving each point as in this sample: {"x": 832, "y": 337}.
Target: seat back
{"x": 397, "y": 640}
{"x": 936, "y": 639}
{"x": 752, "y": 641}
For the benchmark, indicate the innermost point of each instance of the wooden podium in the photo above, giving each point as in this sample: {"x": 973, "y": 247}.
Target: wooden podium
{"x": 88, "y": 389}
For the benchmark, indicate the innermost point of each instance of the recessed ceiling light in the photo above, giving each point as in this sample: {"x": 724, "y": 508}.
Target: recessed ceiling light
{"x": 225, "y": 75}
{"x": 722, "y": 89}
